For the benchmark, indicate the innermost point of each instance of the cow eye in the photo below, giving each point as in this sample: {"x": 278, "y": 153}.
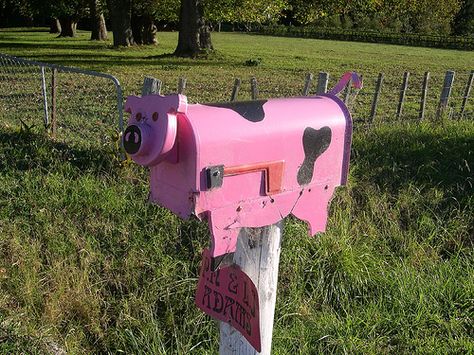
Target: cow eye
{"x": 155, "y": 116}
{"x": 138, "y": 116}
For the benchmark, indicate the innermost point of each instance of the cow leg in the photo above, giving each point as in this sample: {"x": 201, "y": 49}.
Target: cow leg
{"x": 312, "y": 207}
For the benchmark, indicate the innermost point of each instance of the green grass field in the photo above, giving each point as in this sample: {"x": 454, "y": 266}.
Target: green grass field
{"x": 88, "y": 266}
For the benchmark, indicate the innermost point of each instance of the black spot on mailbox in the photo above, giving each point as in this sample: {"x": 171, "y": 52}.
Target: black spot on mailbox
{"x": 315, "y": 143}
{"x": 250, "y": 110}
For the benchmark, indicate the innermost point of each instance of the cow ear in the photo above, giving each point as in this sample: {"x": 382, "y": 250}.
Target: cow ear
{"x": 131, "y": 102}
{"x": 181, "y": 104}
{"x": 177, "y": 103}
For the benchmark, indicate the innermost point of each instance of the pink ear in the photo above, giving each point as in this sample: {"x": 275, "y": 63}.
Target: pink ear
{"x": 182, "y": 104}
{"x": 176, "y": 103}
{"x": 132, "y": 101}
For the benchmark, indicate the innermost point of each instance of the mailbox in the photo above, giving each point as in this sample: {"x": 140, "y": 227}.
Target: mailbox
{"x": 242, "y": 164}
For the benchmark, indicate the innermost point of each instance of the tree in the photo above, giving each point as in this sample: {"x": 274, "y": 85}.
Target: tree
{"x": 244, "y": 11}
{"x": 464, "y": 20}
{"x": 99, "y": 29}
{"x": 54, "y": 26}
{"x": 121, "y": 17}
{"x": 143, "y": 21}
{"x": 194, "y": 34}
{"x": 68, "y": 12}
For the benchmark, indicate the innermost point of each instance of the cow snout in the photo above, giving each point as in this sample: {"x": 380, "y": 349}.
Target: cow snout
{"x": 132, "y": 139}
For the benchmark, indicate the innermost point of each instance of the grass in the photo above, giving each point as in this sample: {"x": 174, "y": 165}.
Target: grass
{"x": 88, "y": 266}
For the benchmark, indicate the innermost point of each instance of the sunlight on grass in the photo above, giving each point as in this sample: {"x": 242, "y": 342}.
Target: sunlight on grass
{"x": 88, "y": 266}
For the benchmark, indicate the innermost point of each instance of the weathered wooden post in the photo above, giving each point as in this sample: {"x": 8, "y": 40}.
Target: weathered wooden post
{"x": 445, "y": 93}
{"x": 258, "y": 255}
{"x": 323, "y": 79}
{"x": 151, "y": 86}
{"x": 254, "y": 88}
{"x": 403, "y": 92}
{"x": 375, "y": 102}
{"x": 235, "y": 89}
{"x": 347, "y": 92}
{"x": 424, "y": 95}
{"x": 244, "y": 191}
{"x": 181, "y": 85}
{"x": 307, "y": 84}
{"x": 467, "y": 92}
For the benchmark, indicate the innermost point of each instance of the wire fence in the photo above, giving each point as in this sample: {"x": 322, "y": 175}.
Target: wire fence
{"x": 75, "y": 105}
{"x": 81, "y": 106}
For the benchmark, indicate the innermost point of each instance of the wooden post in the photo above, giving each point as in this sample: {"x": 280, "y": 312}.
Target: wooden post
{"x": 424, "y": 95}
{"x": 235, "y": 89}
{"x": 467, "y": 92}
{"x": 445, "y": 93}
{"x": 254, "y": 87}
{"x": 45, "y": 97}
{"x": 258, "y": 255}
{"x": 347, "y": 92}
{"x": 53, "y": 102}
{"x": 181, "y": 85}
{"x": 403, "y": 92}
{"x": 375, "y": 102}
{"x": 307, "y": 84}
{"x": 323, "y": 79}
{"x": 151, "y": 86}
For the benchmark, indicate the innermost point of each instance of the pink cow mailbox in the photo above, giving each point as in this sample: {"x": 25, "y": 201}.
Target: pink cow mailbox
{"x": 242, "y": 164}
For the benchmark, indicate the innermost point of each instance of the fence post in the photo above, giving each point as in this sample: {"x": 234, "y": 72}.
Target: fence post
{"x": 424, "y": 95}
{"x": 151, "y": 86}
{"x": 254, "y": 87}
{"x": 347, "y": 92}
{"x": 403, "y": 92}
{"x": 53, "y": 101}
{"x": 258, "y": 255}
{"x": 181, "y": 85}
{"x": 467, "y": 92}
{"x": 307, "y": 84}
{"x": 45, "y": 97}
{"x": 375, "y": 102}
{"x": 235, "y": 89}
{"x": 323, "y": 79}
{"x": 445, "y": 93}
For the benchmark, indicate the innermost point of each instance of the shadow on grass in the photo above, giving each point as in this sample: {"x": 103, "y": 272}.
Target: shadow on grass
{"x": 442, "y": 157}
{"x": 21, "y": 151}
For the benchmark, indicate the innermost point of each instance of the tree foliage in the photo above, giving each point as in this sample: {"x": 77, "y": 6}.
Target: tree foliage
{"x": 412, "y": 16}
{"x": 420, "y": 16}
{"x": 464, "y": 20}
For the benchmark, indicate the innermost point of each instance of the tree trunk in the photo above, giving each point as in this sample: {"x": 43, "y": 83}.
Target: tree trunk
{"x": 137, "y": 29}
{"x": 68, "y": 26}
{"x": 149, "y": 31}
{"x": 120, "y": 15}
{"x": 99, "y": 29}
{"x": 144, "y": 29}
{"x": 55, "y": 26}
{"x": 205, "y": 42}
{"x": 188, "y": 39}
{"x": 194, "y": 32}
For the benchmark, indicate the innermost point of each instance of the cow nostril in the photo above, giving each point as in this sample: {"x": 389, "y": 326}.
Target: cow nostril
{"x": 132, "y": 139}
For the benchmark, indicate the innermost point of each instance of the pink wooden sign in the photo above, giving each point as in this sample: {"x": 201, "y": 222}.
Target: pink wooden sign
{"x": 229, "y": 295}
